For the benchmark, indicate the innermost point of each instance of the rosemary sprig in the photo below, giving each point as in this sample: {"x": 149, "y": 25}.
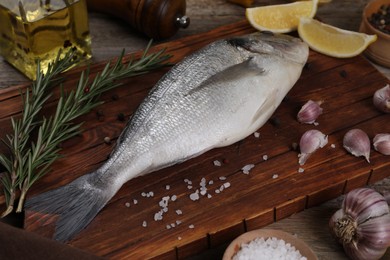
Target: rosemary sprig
{"x": 31, "y": 159}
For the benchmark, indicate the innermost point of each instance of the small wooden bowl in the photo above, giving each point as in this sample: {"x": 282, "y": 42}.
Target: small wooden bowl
{"x": 378, "y": 51}
{"x": 235, "y": 245}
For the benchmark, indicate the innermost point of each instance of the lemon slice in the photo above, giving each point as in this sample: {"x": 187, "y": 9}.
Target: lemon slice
{"x": 331, "y": 40}
{"x": 281, "y": 18}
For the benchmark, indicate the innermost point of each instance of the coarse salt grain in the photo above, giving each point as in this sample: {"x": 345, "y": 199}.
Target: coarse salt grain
{"x": 144, "y": 223}
{"x": 265, "y": 157}
{"x": 127, "y": 204}
{"x": 226, "y": 185}
{"x": 266, "y": 249}
{"x": 191, "y": 226}
{"x": 135, "y": 201}
{"x": 222, "y": 178}
{"x": 300, "y": 170}
{"x": 256, "y": 134}
{"x": 333, "y": 145}
{"x": 217, "y": 163}
{"x": 194, "y": 196}
{"x": 173, "y": 198}
{"x": 275, "y": 176}
{"x": 247, "y": 168}
{"x": 167, "y": 187}
{"x": 179, "y": 212}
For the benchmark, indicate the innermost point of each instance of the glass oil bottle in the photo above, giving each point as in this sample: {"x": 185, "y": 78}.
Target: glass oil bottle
{"x": 32, "y": 30}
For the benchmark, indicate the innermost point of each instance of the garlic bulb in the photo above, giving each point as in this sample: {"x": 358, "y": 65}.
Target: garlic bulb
{"x": 309, "y": 112}
{"x": 362, "y": 225}
{"x": 356, "y": 142}
{"x": 310, "y": 142}
{"x": 381, "y": 99}
{"x": 382, "y": 143}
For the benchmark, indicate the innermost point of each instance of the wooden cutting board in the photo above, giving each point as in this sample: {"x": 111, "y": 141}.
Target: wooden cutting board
{"x": 273, "y": 189}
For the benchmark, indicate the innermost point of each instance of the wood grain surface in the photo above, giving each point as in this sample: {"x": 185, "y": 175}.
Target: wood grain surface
{"x": 330, "y": 173}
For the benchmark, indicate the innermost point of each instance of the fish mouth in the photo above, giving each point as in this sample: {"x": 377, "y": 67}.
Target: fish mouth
{"x": 266, "y": 42}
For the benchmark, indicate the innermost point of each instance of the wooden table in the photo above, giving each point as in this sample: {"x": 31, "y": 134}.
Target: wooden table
{"x": 110, "y": 36}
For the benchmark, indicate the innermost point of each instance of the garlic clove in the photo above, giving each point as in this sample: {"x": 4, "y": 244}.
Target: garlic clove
{"x": 310, "y": 142}
{"x": 310, "y": 112}
{"x": 357, "y": 143}
{"x": 381, "y": 99}
{"x": 382, "y": 143}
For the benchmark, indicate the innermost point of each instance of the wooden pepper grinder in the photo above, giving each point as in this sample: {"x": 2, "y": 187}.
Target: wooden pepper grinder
{"x": 158, "y": 19}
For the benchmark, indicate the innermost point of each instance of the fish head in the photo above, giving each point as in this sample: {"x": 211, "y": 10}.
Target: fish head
{"x": 285, "y": 46}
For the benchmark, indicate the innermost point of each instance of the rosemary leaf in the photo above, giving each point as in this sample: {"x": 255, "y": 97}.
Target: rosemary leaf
{"x": 31, "y": 159}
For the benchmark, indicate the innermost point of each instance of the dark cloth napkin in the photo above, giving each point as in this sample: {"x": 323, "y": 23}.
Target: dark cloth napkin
{"x": 18, "y": 244}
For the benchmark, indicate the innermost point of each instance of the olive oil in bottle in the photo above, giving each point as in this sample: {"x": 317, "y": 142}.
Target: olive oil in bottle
{"x": 32, "y": 30}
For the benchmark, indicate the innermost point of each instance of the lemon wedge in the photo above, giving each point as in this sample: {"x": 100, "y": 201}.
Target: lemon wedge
{"x": 281, "y": 18}
{"x": 333, "y": 41}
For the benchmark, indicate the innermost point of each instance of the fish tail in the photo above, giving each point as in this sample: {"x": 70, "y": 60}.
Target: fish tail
{"x": 76, "y": 203}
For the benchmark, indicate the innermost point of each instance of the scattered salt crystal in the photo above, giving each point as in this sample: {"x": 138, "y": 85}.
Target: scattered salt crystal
{"x": 178, "y": 222}
{"x": 167, "y": 187}
{"x": 265, "y": 157}
{"x": 222, "y": 178}
{"x": 194, "y": 196}
{"x": 135, "y": 201}
{"x": 165, "y": 209}
{"x": 189, "y": 187}
{"x": 209, "y": 196}
{"x": 203, "y": 182}
{"x": 211, "y": 182}
{"x": 300, "y": 170}
{"x": 191, "y": 226}
{"x": 178, "y": 238}
{"x": 158, "y": 216}
{"x": 164, "y": 201}
{"x": 226, "y": 185}
{"x": 316, "y": 123}
{"x": 275, "y": 176}
{"x": 221, "y": 188}
{"x": 168, "y": 226}
{"x": 256, "y": 134}
{"x": 203, "y": 192}
{"x": 271, "y": 248}
{"x": 247, "y": 168}
{"x": 127, "y": 204}
{"x": 217, "y": 191}
{"x": 173, "y": 225}
{"x": 143, "y": 194}
{"x": 217, "y": 163}
{"x": 173, "y": 198}
{"x": 333, "y": 145}
{"x": 150, "y": 194}
{"x": 144, "y": 223}
{"x": 179, "y": 212}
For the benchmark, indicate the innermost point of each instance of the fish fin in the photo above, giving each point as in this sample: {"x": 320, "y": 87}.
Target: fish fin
{"x": 76, "y": 203}
{"x": 247, "y": 68}
{"x": 267, "y": 105}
